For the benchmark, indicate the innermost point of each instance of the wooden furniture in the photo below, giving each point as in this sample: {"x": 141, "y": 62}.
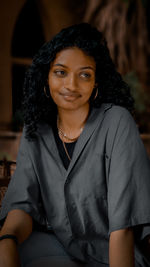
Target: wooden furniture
{"x": 7, "y": 168}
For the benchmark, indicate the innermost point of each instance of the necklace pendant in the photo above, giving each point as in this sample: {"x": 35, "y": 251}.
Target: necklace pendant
{"x": 60, "y": 131}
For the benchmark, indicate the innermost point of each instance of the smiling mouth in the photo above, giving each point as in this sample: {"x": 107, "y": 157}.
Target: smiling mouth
{"x": 69, "y": 97}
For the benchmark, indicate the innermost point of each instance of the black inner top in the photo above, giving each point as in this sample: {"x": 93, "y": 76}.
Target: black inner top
{"x": 62, "y": 152}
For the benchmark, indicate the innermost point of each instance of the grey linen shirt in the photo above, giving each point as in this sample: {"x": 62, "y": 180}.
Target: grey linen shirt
{"x": 105, "y": 188}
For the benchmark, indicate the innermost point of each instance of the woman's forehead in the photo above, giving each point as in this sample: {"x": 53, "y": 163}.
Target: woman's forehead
{"x": 74, "y": 55}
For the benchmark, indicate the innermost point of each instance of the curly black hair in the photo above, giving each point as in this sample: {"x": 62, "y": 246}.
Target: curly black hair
{"x": 112, "y": 88}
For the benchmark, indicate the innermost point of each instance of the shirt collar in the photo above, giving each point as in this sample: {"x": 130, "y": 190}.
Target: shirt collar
{"x": 95, "y": 118}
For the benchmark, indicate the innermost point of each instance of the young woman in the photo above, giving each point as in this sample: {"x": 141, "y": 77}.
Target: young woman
{"x": 81, "y": 191}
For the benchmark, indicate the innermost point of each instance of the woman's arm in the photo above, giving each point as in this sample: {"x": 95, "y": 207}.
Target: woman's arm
{"x": 17, "y": 223}
{"x": 121, "y": 248}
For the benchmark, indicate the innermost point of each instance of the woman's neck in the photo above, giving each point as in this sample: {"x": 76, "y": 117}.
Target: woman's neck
{"x": 73, "y": 120}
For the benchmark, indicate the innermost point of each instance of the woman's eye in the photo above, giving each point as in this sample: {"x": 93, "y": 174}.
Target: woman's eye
{"x": 60, "y": 73}
{"x": 85, "y": 75}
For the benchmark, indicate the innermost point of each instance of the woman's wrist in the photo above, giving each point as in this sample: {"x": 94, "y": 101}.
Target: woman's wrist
{"x": 9, "y": 236}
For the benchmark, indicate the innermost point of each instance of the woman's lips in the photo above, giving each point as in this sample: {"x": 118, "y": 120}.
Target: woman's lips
{"x": 69, "y": 96}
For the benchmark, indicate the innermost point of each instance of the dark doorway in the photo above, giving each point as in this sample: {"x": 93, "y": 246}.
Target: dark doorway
{"x": 27, "y": 39}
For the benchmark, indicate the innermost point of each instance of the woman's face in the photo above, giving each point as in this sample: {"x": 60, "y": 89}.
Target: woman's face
{"x": 72, "y": 78}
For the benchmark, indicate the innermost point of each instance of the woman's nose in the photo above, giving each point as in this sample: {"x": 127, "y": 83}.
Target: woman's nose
{"x": 71, "y": 82}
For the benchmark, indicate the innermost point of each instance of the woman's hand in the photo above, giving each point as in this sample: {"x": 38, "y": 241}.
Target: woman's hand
{"x": 17, "y": 223}
{"x": 121, "y": 248}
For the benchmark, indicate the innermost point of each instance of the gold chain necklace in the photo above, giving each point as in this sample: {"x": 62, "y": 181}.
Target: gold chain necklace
{"x": 66, "y": 150}
{"x": 68, "y": 138}
{"x": 61, "y": 133}
{"x": 64, "y": 135}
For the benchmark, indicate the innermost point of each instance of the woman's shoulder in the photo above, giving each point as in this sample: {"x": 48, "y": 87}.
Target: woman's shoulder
{"x": 117, "y": 118}
{"x": 115, "y": 112}
{"x": 116, "y": 109}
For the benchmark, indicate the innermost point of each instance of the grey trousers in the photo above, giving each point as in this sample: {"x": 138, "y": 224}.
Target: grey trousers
{"x": 44, "y": 250}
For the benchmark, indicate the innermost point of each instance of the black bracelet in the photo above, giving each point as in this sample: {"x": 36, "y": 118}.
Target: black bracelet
{"x": 9, "y": 236}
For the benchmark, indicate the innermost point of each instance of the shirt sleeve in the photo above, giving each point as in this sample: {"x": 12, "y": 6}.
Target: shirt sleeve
{"x": 129, "y": 179}
{"x": 23, "y": 190}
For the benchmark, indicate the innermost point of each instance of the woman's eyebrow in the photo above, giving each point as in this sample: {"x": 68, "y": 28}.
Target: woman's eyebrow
{"x": 60, "y": 65}
{"x": 86, "y": 67}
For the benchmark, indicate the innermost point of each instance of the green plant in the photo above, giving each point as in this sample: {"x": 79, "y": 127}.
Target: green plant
{"x": 137, "y": 91}
{"x": 5, "y": 155}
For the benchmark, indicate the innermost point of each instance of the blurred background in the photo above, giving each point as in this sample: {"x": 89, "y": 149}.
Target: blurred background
{"x": 26, "y": 24}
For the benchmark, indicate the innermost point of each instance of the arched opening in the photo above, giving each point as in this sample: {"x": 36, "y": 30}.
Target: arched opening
{"x": 27, "y": 39}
